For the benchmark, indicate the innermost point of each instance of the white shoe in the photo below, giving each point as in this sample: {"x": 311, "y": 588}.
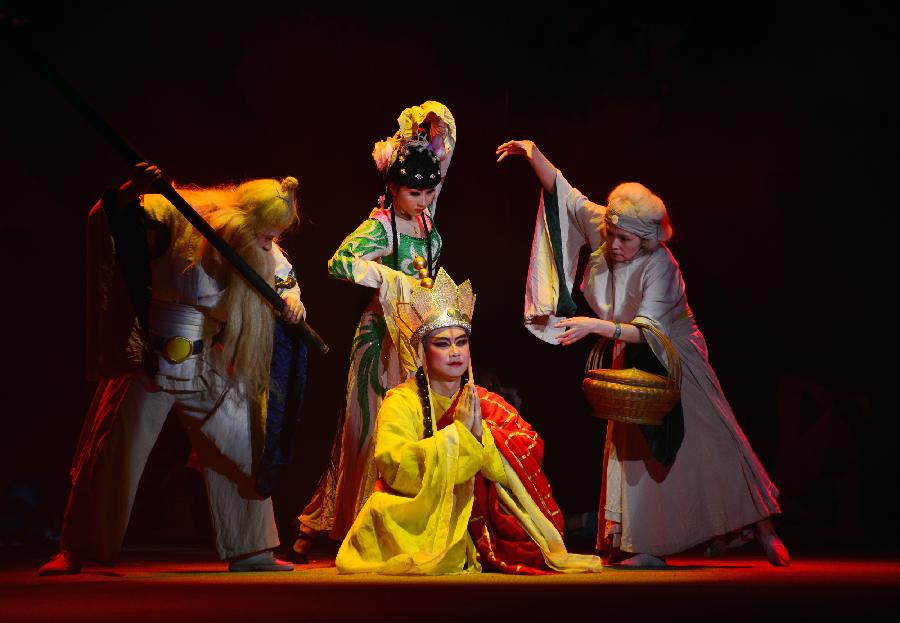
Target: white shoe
{"x": 264, "y": 561}
{"x": 643, "y": 561}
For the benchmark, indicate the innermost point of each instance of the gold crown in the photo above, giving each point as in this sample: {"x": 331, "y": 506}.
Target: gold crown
{"x": 442, "y": 305}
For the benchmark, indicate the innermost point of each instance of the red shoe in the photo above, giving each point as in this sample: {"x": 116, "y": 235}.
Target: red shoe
{"x": 64, "y": 563}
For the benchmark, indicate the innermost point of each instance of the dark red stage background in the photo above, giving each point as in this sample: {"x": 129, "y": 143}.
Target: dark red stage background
{"x": 768, "y": 132}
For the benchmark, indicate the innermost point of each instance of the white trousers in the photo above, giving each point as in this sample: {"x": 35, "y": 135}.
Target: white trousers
{"x": 218, "y": 420}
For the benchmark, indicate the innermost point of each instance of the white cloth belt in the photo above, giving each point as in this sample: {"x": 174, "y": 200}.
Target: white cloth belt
{"x": 174, "y": 319}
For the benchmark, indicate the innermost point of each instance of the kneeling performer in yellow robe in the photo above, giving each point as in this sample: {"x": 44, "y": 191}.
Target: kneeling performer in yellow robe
{"x": 459, "y": 480}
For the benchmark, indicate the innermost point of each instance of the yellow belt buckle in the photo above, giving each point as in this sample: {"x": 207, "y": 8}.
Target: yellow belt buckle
{"x": 178, "y": 349}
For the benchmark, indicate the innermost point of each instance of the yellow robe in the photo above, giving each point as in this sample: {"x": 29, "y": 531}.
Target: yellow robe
{"x": 417, "y": 522}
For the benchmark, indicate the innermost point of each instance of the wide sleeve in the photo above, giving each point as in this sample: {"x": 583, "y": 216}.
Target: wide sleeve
{"x": 355, "y": 259}
{"x": 517, "y": 499}
{"x": 420, "y": 525}
{"x": 566, "y": 221}
{"x": 492, "y": 468}
{"x": 523, "y": 490}
{"x": 406, "y": 462}
{"x": 662, "y": 298}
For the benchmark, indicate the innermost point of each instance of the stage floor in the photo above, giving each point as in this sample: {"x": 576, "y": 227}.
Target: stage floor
{"x": 190, "y": 585}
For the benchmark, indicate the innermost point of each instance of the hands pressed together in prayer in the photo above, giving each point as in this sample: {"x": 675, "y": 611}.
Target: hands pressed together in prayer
{"x": 468, "y": 411}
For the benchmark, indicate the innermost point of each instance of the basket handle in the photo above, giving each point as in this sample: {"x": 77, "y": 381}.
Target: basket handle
{"x": 595, "y": 357}
{"x": 674, "y": 367}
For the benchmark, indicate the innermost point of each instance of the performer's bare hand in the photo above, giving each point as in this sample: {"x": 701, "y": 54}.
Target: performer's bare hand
{"x": 476, "y": 419}
{"x": 293, "y": 310}
{"x": 515, "y": 148}
{"x": 468, "y": 411}
{"x": 143, "y": 177}
{"x": 575, "y": 328}
{"x": 543, "y": 168}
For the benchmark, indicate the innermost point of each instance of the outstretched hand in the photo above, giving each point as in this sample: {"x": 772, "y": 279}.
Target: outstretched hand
{"x": 515, "y": 148}
{"x": 575, "y": 328}
{"x": 543, "y": 168}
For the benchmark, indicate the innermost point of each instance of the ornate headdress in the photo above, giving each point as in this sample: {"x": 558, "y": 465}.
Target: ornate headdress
{"x": 442, "y": 305}
{"x": 432, "y": 307}
{"x": 411, "y": 157}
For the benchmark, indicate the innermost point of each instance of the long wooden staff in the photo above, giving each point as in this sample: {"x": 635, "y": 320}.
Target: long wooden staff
{"x": 163, "y": 187}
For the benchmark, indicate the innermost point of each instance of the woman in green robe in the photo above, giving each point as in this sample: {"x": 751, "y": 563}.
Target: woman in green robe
{"x": 389, "y": 252}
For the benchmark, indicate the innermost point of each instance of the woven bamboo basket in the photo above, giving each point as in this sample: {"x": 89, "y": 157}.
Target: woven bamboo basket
{"x": 631, "y": 395}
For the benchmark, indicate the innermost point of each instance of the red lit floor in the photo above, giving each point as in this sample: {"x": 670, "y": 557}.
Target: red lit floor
{"x": 187, "y": 585}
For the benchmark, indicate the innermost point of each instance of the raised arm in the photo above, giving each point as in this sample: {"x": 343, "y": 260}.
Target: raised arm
{"x": 443, "y": 139}
{"x": 143, "y": 176}
{"x": 543, "y": 168}
{"x": 566, "y": 221}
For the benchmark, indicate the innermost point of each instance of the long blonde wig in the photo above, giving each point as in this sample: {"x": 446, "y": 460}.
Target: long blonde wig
{"x": 239, "y": 214}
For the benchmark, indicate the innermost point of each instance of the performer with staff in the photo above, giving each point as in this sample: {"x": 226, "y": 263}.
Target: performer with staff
{"x": 174, "y": 327}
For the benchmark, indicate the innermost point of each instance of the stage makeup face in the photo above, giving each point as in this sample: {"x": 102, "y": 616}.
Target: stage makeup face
{"x": 447, "y": 352}
{"x": 410, "y": 203}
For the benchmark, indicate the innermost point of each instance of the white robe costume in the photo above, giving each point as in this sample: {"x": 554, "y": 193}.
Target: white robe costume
{"x": 716, "y": 484}
{"x": 129, "y": 409}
